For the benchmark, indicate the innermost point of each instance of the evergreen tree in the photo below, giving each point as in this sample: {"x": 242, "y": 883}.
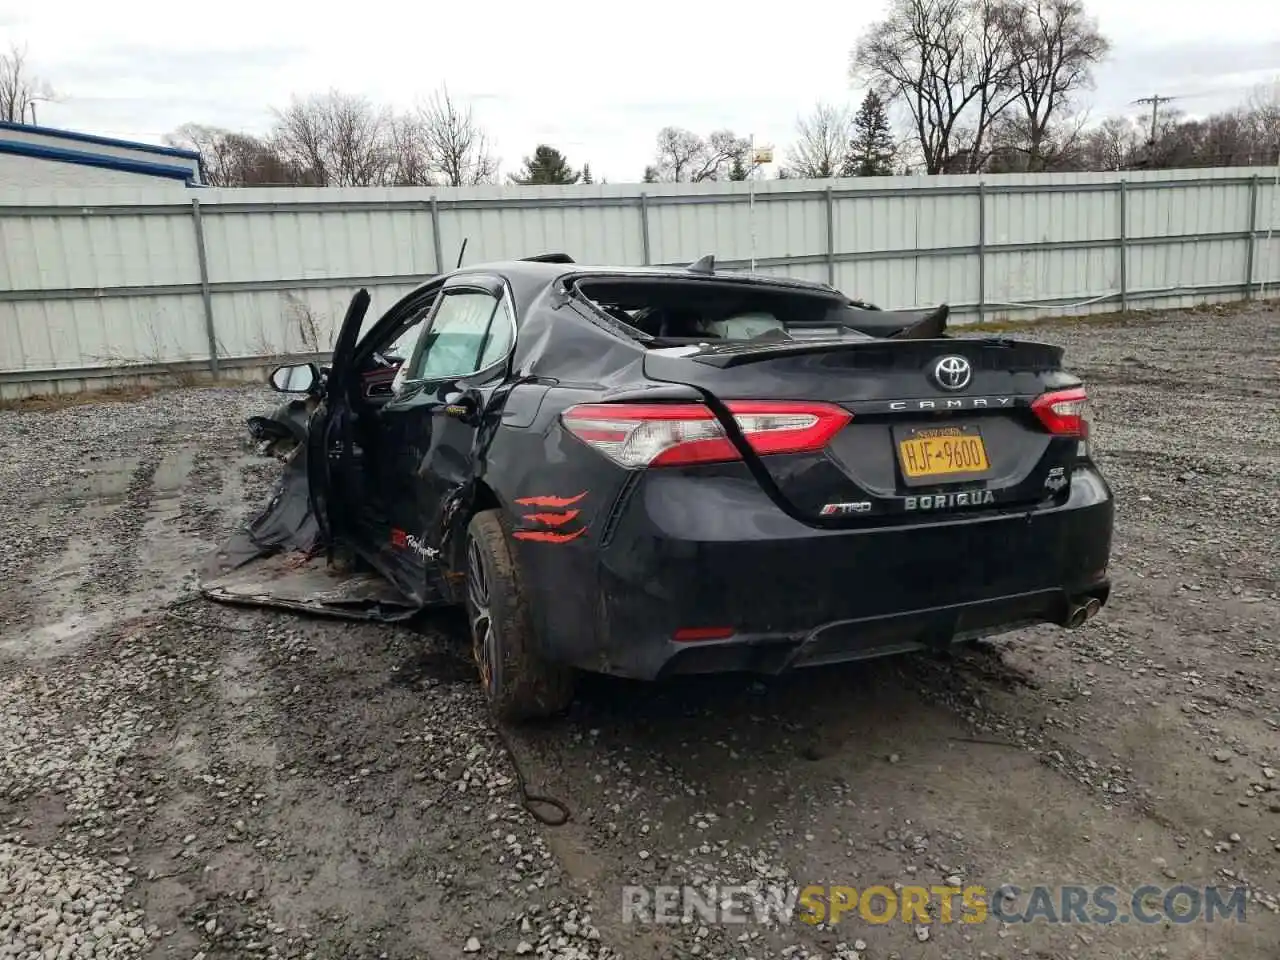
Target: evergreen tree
{"x": 650, "y": 174}
{"x": 586, "y": 173}
{"x": 871, "y": 151}
{"x": 738, "y": 169}
{"x": 547, "y": 165}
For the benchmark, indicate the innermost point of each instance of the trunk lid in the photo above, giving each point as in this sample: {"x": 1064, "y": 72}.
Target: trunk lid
{"x": 939, "y": 427}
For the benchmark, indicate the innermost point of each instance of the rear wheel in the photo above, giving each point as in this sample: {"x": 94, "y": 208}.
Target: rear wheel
{"x": 518, "y": 683}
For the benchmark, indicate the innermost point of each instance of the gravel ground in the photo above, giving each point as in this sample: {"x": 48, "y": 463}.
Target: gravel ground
{"x": 184, "y": 780}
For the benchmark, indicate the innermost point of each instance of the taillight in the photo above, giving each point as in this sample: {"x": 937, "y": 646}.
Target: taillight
{"x": 1064, "y": 412}
{"x": 667, "y": 434}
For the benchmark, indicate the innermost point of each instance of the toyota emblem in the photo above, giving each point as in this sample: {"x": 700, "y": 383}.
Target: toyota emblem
{"x": 953, "y": 373}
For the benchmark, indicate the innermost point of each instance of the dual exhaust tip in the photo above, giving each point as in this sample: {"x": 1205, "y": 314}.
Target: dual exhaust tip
{"x": 1078, "y": 613}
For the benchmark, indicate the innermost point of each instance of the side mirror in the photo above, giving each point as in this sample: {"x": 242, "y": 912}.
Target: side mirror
{"x": 295, "y": 378}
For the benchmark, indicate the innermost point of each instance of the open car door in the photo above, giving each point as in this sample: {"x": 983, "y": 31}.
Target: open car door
{"x": 285, "y": 556}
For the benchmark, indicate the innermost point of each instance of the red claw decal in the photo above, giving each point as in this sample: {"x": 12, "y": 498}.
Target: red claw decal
{"x": 547, "y": 536}
{"x": 550, "y": 501}
{"x": 550, "y": 519}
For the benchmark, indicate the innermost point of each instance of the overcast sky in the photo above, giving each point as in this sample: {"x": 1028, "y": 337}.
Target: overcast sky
{"x": 596, "y": 83}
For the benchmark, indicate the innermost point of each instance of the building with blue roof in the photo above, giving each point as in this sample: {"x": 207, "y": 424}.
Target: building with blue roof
{"x": 32, "y": 156}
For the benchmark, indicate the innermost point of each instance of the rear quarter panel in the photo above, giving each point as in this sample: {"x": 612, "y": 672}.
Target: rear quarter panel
{"x": 558, "y": 498}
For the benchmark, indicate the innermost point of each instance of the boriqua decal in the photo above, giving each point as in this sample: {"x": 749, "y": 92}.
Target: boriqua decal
{"x": 1056, "y": 479}
{"x": 547, "y": 517}
{"x": 946, "y": 501}
{"x": 407, "y": 541}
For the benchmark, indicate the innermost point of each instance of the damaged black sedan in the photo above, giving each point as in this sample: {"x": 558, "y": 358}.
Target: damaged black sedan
{"x": 644, "y": 472}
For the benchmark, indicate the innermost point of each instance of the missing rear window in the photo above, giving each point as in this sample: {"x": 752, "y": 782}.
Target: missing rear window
{"x": 670, "y": 311}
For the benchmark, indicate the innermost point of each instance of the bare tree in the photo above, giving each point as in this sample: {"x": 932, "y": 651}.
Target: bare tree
{"x": 1227, "y": 139}
{"x": 359, "y": 137}
{"x": 726, "y": 152}
{"x": 301, "y": 135}
{"x": 921, "y": 56}
{"x": 1263, "y": 110}
{"x": 1063, "y": 146}
{"x": 340, "y": 140}
{"x": 211, "y": 143}
{"x": 1111, "y": 145}
{"x": 257, "y": 163}
{"x": 456, "y": 146}
{"x": 1056, "y": 46}
{"x": 993, "y": 65}
{"x": 959, "y": 66}
{"x": 1179, "y": 142}
{"x": 336, "y": 139}
{"x": 20, "y": 90}
{"x": 678, "y": 154}
{"x": 685, "y": 157}
{"x": 232, "y": 159}
{"x": 822, "y": 142}
{"x": 408, "y": 147}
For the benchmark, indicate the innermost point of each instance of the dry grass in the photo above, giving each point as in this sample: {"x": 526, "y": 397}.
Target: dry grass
{"x": 1114, "y": 318}
{"x": 50, "y": 402}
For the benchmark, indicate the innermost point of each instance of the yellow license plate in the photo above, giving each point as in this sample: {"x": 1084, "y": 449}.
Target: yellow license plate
{"x": 942, "y": 452}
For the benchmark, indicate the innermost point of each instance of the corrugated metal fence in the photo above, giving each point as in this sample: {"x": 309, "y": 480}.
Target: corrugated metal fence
{"x": 109, "y": 282}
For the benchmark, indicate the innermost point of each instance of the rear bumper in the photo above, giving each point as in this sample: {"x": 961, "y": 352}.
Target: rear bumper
{"x": 841, "y": 641}
{"x": 714, "y": 552}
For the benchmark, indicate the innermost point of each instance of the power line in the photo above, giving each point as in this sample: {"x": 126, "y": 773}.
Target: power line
{"x": 1227, "y": 89}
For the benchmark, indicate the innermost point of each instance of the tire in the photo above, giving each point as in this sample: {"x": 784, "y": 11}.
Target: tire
{"x": 518, "y": 683}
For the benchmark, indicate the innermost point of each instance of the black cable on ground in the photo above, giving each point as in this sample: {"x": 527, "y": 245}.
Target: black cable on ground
{"x": 530, "y": 801}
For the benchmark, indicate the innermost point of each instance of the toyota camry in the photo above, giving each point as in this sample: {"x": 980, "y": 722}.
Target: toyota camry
{"x": 647, "y": 472}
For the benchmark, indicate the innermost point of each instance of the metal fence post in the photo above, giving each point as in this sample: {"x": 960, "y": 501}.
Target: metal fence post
{"x": 831, "y": 238}
{"x": 435, "y": 235}
{"x": 982, "y": 249}
{"x": 205, "y": 296}
{"x": 1253, "y": 238}
{"x": 644, "y": 227}
{"x": 1124, "y": 246}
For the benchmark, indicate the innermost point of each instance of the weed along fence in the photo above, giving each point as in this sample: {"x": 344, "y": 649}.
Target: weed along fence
{"x": 104, "y": 284}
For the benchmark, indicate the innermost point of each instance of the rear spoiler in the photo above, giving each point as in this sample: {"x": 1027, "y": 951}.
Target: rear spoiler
{"x": 894, "y": 324}
{"x": 549, "y": 258}
{"x": 871, "y": 353}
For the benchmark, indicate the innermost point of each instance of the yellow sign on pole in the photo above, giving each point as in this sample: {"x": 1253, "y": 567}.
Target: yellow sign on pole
{"x": 763, "y": 155}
